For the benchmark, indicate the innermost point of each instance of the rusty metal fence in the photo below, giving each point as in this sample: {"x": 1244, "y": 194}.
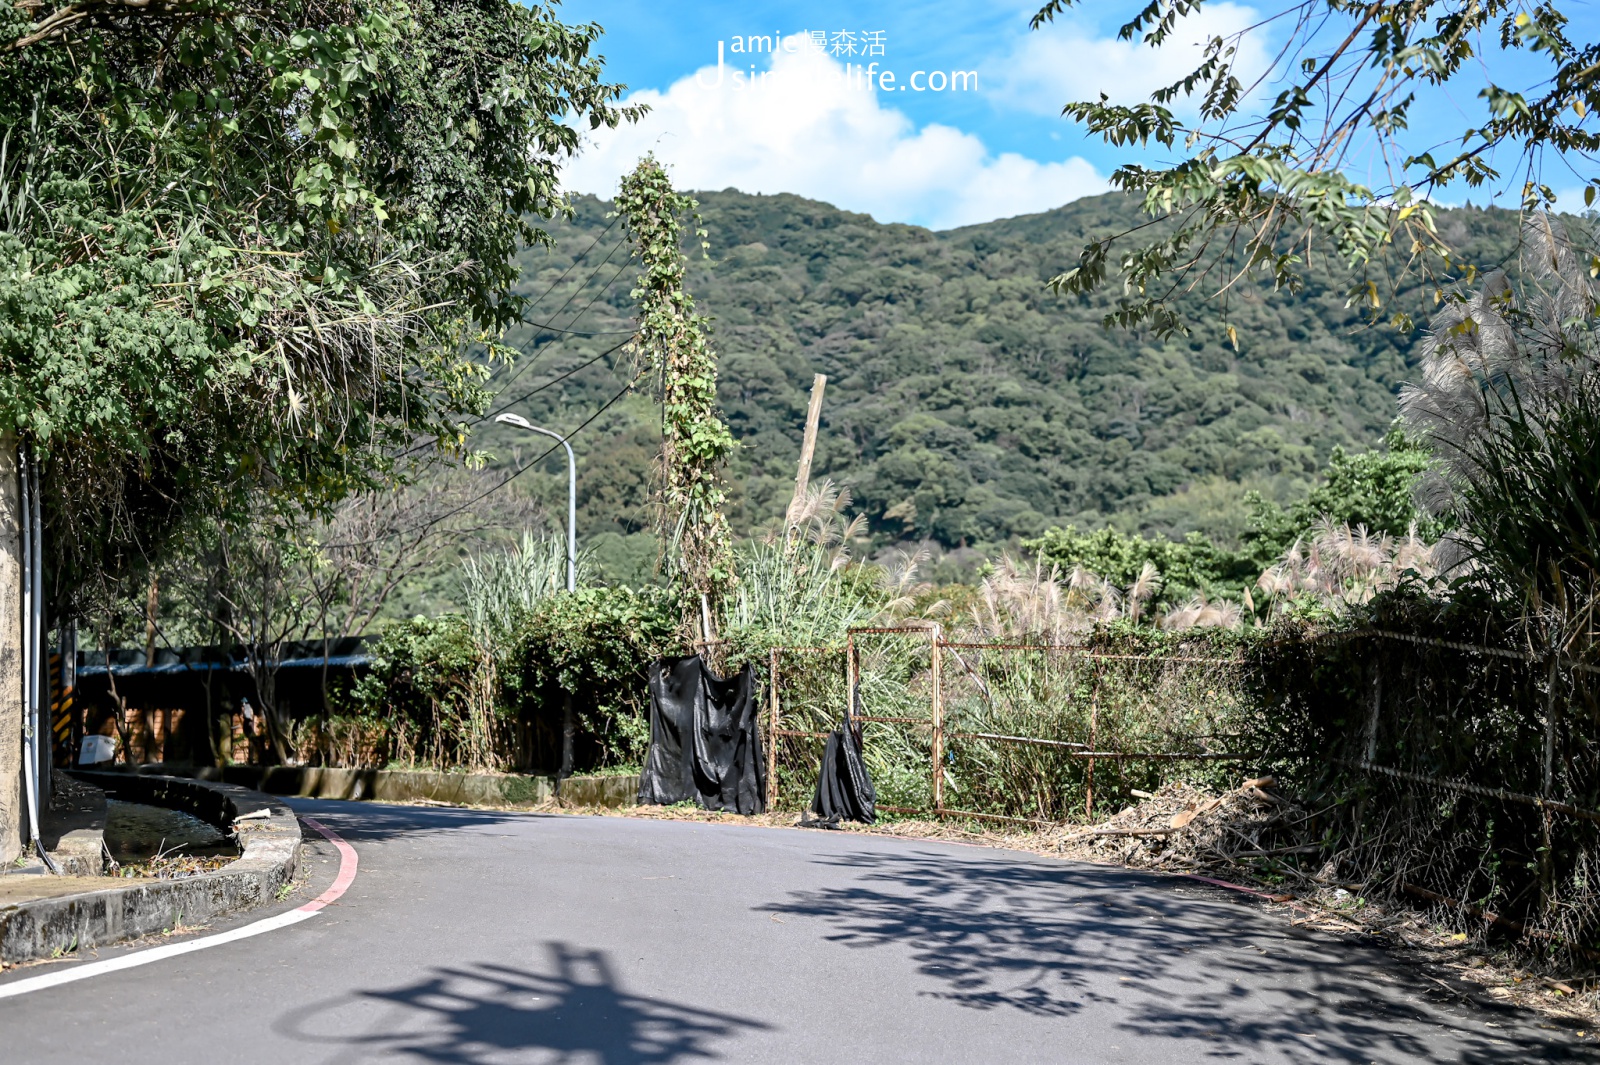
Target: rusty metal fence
{"x": 1004, "y": 732}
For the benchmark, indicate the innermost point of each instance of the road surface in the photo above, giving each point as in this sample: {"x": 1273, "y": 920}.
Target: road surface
{"x": 481, "y": 937}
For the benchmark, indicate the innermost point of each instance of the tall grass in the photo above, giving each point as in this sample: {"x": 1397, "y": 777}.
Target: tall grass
{"x": 499, "y": 590}
{"x": 1510, "y": 402}
{"x": 500, "y": 587}
{"x": 798, "y": 586}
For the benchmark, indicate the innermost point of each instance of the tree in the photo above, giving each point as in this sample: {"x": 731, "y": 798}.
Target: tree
{"x": 242, "y": 246}
{"x": 1259, "y": 188}
{"x": 257, "y": 588}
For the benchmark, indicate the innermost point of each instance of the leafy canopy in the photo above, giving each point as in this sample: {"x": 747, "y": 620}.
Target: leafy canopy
{"x": 243, "y": 246}
{"x": 1259, "y": 185}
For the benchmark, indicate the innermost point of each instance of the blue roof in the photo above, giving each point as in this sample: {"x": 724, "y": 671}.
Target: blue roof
{"x": 336, "y": 661}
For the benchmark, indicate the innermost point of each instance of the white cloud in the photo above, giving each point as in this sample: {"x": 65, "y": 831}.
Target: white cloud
{"x": 1063, "y": 62}
{"x": 803, "y": 129}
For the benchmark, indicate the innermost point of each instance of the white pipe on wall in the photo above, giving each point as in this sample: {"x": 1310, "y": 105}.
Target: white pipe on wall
{"x": 42, "y": 730}
{"x": 31, "y": 611}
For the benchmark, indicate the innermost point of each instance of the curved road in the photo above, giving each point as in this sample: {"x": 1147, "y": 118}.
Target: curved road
{"x": 480, "y": 937}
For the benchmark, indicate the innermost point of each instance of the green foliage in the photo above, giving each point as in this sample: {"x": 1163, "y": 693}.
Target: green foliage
{"x": 500, "y": 587}
{"x": 1186, "y": 566}
{"x": 695, "y": 441}
{"x": 241, "y": 245}
{"x": 441, "y": 693}
{"x": 1258, "y": 188}
{"x": 597, "y": 645}
{"x": 965, "y": 402}
{"x": 426, "y": 682}
{"x": 1375, "y": 489}
{"x": 1531, "y": 509}
{"x": 799, "y": 595}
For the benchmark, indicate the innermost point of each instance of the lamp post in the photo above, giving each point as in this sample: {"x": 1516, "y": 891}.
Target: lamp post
{"x": 572, "y": 493}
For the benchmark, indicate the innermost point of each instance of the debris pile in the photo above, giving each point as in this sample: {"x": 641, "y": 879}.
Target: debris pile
{"x": 1182, "y": 827}
{"x": 171, "y": 866}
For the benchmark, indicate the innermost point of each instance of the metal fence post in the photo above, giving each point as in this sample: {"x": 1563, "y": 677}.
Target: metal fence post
{"x": 772, "y": 729}
{"x": 1370, "y": 751}
{"x": 1548, "y": 780}
{"x": 1373, "y": 711}
{"x": 1553, "y": 679}
{"x": 937, "y": 747}
{"x": 1094, "y": 739}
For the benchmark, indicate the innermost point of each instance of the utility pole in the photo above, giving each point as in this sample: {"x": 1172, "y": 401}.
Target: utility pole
{"x": 802, "y": 478}
{"x": 13, "y": 801}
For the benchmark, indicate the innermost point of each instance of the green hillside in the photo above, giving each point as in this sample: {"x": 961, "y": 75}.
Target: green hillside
{"x": 966, "y": 404}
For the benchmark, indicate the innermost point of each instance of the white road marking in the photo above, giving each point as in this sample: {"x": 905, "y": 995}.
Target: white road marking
{"x": 347, "y": 874}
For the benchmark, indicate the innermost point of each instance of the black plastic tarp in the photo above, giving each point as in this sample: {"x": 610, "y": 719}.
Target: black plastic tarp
{"x": 704, "y": 743}
{"x": 844, "y": 790}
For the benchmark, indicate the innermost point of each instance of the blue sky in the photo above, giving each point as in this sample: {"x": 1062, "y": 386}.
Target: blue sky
{"x": 986, "y": 146}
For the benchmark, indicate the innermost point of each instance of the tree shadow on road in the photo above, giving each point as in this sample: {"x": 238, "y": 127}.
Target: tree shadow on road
{"x": 1168, "y": 960}
{"x": 577, "y": 1011}
{"x": 376, "y": 822}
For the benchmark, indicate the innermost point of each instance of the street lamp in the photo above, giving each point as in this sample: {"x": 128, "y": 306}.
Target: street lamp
{"x": 572, "y": 493}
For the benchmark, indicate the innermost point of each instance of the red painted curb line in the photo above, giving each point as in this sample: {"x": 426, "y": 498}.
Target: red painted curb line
{"x": 348, "y": 863}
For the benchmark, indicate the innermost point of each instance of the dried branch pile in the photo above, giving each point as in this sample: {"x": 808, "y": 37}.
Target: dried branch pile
{"x": 1183, "y": 828}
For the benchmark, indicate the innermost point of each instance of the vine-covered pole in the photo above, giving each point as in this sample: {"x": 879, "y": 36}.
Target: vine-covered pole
{"x": 695, "y": 443}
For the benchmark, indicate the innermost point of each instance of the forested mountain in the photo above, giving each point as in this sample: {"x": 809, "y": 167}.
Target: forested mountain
{"x": 966, "y": 404}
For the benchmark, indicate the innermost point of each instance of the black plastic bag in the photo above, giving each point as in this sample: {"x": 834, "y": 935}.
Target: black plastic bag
{"x": 844, "y": 790}
{"x": 705, "y": 746}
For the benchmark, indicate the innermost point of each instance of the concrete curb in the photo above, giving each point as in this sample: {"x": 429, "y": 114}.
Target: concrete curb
{"x": 74, "y": 828}
{"x": 401, "y": 785}
{"x": 269, "y": 838}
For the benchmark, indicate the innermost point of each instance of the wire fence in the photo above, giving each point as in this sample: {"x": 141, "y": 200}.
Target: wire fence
{"x": 1470, "y": 774}
{"x": 1464, "y": 775}
{"x": 1007, "y": 732}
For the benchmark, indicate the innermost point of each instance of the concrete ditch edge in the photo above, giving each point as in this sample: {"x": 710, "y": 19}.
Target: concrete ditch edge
{"x": 269, "y": 837}
{"x": 406, "y": 785}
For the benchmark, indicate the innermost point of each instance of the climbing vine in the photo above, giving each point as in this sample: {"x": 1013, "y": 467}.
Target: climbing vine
{"x": 672, "y": 346}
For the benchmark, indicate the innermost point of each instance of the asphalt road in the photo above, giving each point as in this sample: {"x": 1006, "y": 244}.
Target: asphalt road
{"x": 477, "y": 937}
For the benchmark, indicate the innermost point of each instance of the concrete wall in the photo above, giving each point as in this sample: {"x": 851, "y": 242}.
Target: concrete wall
{"x": 398, "y": 785}
{"x": 13, "y": 814}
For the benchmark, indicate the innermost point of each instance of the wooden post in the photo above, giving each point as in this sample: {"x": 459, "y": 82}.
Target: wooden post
{"x": 935, "y": 668}
{"x": 802, "y": 478}
{"x": 772, "y": 729}
{"x": 850, "y": 679}
{"x": 152, "y": 603}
